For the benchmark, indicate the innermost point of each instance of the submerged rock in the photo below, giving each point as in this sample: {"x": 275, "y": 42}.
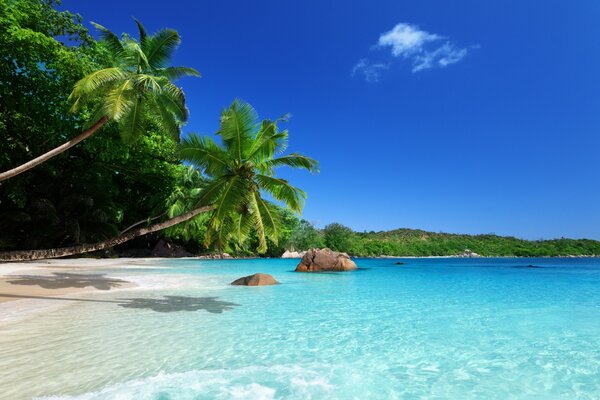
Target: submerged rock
{"x": 255, "y": 280}
{"x": 316, "y": 260}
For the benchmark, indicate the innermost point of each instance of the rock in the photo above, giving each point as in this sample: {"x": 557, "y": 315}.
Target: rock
{"x": 293, "y": 254}
{"x": 215, "y": 256}
{"x": 256, "y": 280}
{"x": 468, "y": 254}
{"x": 316, "y": 260}
{"x": 166, "y": 249}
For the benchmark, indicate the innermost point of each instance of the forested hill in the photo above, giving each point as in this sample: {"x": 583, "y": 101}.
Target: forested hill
{"x": 414, "y": 242}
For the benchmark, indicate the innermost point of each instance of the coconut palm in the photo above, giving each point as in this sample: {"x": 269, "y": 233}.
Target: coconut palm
{"x": 237, "y": 174}
{"x": 139, "y": 85}
{"x": 241, "y": 170}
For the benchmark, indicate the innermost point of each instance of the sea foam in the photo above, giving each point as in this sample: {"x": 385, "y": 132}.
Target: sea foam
{"x": 248, "y": 383}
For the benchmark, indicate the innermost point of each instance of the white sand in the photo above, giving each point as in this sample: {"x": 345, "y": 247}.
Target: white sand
{"x": 27, "y": 288}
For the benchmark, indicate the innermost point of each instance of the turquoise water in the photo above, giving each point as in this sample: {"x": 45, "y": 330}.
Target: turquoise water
{"x": 429, "y": 329}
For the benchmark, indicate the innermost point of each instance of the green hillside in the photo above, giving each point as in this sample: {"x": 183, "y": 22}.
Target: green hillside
{"x": 414, "y": 242}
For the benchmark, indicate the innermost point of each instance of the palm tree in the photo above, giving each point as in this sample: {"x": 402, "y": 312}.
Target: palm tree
{"x": 237, "y": 173}
{"x": 139, "y": 85}
{"x": 241, "y": 170}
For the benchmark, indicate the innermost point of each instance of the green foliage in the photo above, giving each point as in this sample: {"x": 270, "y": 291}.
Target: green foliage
{"x": 412, "y": 242}
{"x": 340, "y": 238}
{"x": 305, "y": 236}
{"x": 137, "y": 85}
{"x": 240, "y": 171}
{"x": 96, "y": 188}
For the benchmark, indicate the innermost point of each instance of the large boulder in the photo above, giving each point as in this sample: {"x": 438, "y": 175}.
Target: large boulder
{"x": 255, "y": 280}
{"x": 167, "y": 249}
{"x": 316, "y": 260}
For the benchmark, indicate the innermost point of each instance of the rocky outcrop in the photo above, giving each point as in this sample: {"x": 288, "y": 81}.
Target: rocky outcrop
{"x": 255, "y": 280}
{"x": 216, "y": 256}
{"x": 293, "y": 254}
{"x": 317, "y": 260}
{"x": 468, "y": 254}
{"x": 166, "y": 249}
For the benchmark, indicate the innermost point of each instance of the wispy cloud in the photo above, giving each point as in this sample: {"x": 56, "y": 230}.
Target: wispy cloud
{"x": 422, "y": 49}
{"x": 369, "y": 70}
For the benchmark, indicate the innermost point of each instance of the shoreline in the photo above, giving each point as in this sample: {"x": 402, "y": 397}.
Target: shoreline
{"x": 32, "y": 287}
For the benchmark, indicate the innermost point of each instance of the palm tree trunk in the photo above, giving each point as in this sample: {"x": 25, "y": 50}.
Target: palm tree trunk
{"x": 54, "y": 152}
{"x": 29, "y": 255}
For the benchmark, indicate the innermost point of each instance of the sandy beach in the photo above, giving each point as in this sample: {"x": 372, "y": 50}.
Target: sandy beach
{"x": 28, "y": 288}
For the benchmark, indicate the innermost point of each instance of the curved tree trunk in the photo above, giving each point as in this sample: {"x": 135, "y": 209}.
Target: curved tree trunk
{"x": 29, "y": 255}
{"x": 54, "y": 152}
{"x": 141, "y": 222}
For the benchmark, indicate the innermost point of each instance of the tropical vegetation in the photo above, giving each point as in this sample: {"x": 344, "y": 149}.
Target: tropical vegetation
{"x": 127, "y": 187}
{"x": 415, "y": 242}
{"x": 75, "y": 200}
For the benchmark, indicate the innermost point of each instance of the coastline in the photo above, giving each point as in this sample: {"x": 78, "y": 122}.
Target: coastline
{"x": 32, "y": 287}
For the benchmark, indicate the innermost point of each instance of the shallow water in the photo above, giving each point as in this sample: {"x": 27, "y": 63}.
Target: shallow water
{"x": 429, "y": 329}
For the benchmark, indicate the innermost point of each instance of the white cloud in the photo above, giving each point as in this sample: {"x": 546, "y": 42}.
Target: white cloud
{"x": 442, "y": 56}
{"x": 406, "y": 39}
{"x": 370, "y": 71}
{"x": 422, "y": 49}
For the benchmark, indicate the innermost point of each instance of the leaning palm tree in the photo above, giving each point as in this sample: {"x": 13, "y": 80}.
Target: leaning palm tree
{"x": 237, "y": 172}
{"x": 241, "y": 170}
{"x": 139, "y": 85}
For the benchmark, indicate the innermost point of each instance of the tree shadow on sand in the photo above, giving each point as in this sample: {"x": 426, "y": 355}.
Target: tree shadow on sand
{"x": 61, "y": 280}
{"x": 179, "y": 303}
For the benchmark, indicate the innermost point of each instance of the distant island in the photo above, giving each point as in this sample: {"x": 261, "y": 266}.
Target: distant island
{"x": 420, "y": 243}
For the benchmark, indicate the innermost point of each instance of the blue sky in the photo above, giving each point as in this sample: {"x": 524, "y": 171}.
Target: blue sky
{"x": 467, "y": 116}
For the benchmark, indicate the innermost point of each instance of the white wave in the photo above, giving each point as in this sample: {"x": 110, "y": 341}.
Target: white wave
{"x": 249, "y": 383}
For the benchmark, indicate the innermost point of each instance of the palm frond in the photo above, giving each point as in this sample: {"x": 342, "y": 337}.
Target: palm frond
{"x": 212, "y": 192}
{"x": 161, "y": 46}
{"x": 143, "y": 34}
{"x": 131, "y": 122}
{"x": 280, "y": 189}
{"x": 205, "y": 153}
{"x": 92, "y": 83}
{"x": 231, "y": 194}
{"x": 258, "y": 223}
{"x": 134, "y": 55}
{"x": 111, "y": 40}
{"x": 293, "y": 160}
{"x": 147, "y": 83}
{"x": 173, "y": 99}
{"x": 118, "y": 101}
{"x": 268, "y": 141}
{"x": 237, "y": 128}
{"x": 229, "y": 200}
{"x": 271, "y": 218}
{"x": 174, "y": 73}
{"x": 167, "y": 120}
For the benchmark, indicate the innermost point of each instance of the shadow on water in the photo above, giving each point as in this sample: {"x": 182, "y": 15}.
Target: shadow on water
{"x": 179, "y": 303}
{"x": 60, "y": 280}
{"x": 165, "y": 304}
